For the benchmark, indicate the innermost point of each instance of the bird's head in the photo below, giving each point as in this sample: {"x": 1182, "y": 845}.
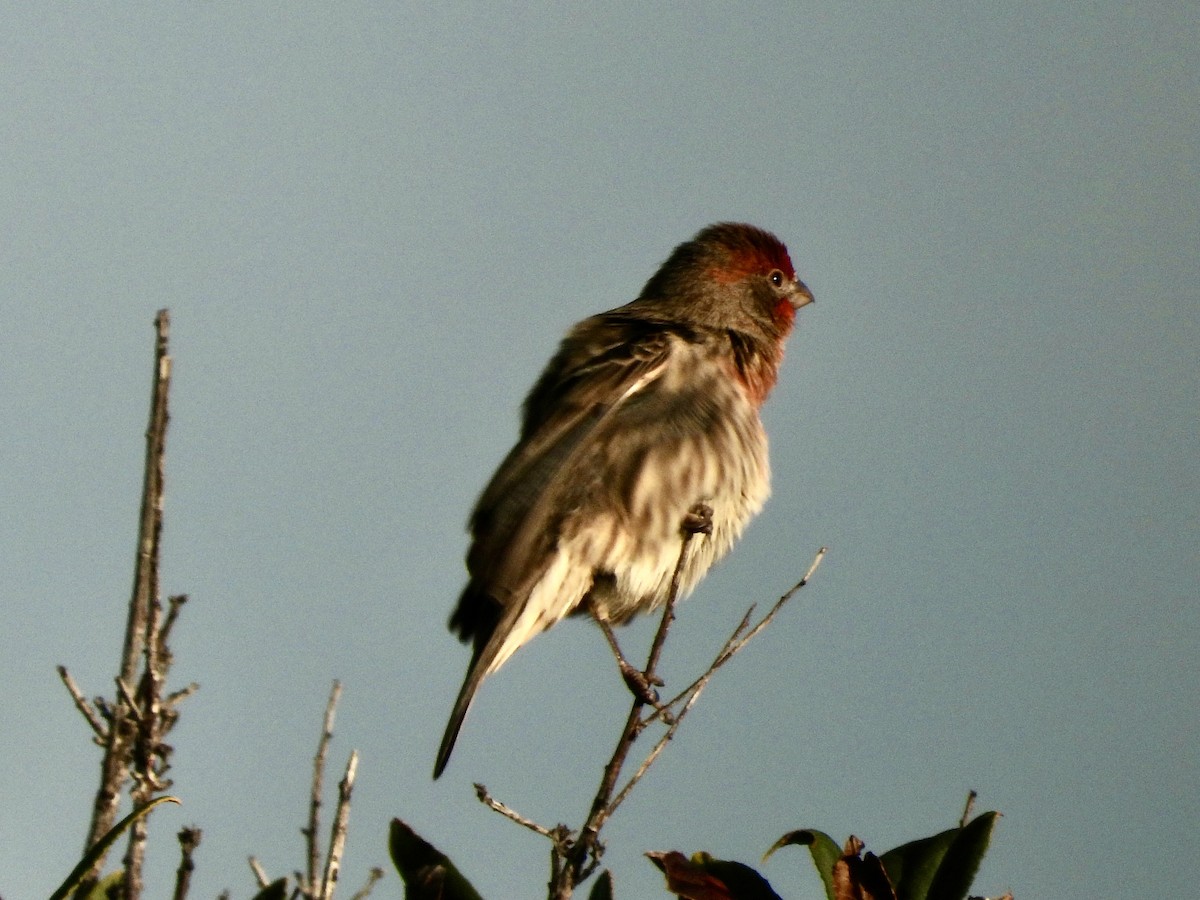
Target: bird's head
{"x": 730, "y": 275}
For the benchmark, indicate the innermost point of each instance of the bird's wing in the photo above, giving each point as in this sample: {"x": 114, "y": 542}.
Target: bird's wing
{"x": 602, "y": 364}
{"x": 515, "y": 523}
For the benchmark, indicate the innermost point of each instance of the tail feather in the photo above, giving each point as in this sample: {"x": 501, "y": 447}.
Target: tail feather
{"x": 491, "y": 652}
{"x": 475, "y": 676}
{"x": 548, "y": 594}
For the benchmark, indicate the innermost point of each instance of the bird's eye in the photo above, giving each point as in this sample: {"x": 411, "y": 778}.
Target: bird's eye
{"x": 776, "y": 278}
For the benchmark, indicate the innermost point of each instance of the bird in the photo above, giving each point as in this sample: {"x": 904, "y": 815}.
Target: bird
{"x": 646, "y": 416}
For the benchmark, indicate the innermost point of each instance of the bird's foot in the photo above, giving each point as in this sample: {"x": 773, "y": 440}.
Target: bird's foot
{"x": 639, "y": 684}
{"x": 698, "y": 520}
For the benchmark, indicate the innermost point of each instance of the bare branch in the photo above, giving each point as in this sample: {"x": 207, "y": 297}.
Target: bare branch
{"x": 341, "y": 825}
{"x": 318, "y": 785}
{"x": 509, "y": 813}
{"x": 373, "y": 876}
{"x": 966, "y": 814}
{"x": 81, "y": 704}
{"x": 189, "y": 840}
{"x": 114, "y": 766}
{"x": 173, "y": 699}
{"x": 125, "y": 696}
{"x": 691, "y": 694}
{"x": 571, "y": 862}
{"x": 260, "y": 874}
{"x": 738, "y": 640}
{"x": 173, "y": 606}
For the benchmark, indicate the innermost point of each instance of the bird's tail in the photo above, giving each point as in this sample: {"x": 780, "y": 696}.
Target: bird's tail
{"x": 491, "y": 652}
{"x": 498, "y": 632}
{"x": 475, "y": 676}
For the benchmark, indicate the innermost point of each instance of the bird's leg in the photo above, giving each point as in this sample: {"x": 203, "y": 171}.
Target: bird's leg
{"x": 635, "y": 679}
{"x": 698, "y": 519}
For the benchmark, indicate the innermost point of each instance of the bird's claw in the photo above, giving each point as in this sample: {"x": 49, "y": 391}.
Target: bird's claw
{"x": 698, "y": 520}
{"x": 641, "y": 685}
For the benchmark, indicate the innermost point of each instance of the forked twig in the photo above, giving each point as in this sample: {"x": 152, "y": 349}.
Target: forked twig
{"x": 733, "y": 645}
{"x": 314, "y": 801}
{"x": 575, "y": 855}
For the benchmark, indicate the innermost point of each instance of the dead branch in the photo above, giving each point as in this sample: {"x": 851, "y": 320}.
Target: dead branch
{"x": 120, "y": 734}
{"x": 310, "y": 831}
{"x": 85, "y": 708}
{"x": 508, "y": 812}
{"x": 575, "y": 855}
{"x": 341, "y": 825}
{"x": 189, "y": 840}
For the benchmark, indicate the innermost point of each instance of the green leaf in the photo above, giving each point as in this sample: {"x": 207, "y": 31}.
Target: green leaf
{"x": 940, "y": 867}
{"x": 101, "y": 847}
{"x": 603, "y": 888}
{"x": 824, "y": 850}
{"x": 427, "y": 872}
{"x": 912, "y": 866}
{"x": 962, "y": 860}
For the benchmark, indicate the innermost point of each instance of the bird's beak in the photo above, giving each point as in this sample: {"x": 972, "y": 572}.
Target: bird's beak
{"x": 801, "y": 295}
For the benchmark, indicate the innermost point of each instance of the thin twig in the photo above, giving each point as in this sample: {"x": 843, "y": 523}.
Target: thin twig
{"x": 341, "y": 825}
{"x": 966, "y": 815}
{"x": 173, "y": 699}
{"x": 691, "y": 694}
{"x": 657, "y": 749}
{"x": 189, "y": 840}
{"x": 738, "y": 640}
{"x": 509, "y": 813}
{"x": 173, "y": 606}
{"x": 582, "y": 857}
{"x": 125, "y": 696}
{"x": 318, "y": 782}
{"x": 81, "y": 704}
{"x": 372, "y": 877}
{"x": 260, "y": 874}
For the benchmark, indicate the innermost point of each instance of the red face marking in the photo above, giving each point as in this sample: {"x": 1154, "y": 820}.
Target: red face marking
{"x": 784, "y": 312}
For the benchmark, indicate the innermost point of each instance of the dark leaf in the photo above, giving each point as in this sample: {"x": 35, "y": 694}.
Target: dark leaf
{"x": 962, "y": 860}
{"x": 705, "y": 878}
{"x": 603, "y": 888}
{"x": 427, "y": 872}
{"x": 276, "y": 890}
{"x": 940, "y": 867}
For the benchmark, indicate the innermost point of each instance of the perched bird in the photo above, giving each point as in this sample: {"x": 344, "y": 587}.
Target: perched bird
{"x": 647, "y": 413}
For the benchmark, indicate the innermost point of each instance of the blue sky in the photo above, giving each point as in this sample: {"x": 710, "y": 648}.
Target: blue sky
{"x": 372, "y": 223}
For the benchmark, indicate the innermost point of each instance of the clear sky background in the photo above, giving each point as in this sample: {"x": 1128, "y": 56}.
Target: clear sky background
{"x": 372, "y": 224}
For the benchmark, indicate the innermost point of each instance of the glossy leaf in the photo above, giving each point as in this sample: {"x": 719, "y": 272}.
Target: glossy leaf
{"x": 704, "y": 878}
{"x": 958, "y": 868}
{"x": 603, "y": 888}
{"x": 102, "y": 846}
{"x": 941, "y": 867}
{"x": 427, "y": 872}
